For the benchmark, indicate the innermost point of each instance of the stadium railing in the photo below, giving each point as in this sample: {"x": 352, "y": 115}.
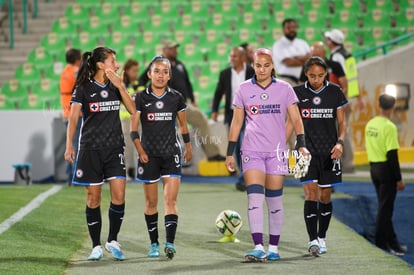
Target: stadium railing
{"x": 383, "y": 47}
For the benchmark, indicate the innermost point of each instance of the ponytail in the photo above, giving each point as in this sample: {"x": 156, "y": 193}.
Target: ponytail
{"x": 84, "y": 69}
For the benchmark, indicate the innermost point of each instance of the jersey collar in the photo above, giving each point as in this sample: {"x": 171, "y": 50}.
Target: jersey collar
{"x": 148, "y": 90}
{"x": 254, "y": 80}
{"x": 307, "y": 86}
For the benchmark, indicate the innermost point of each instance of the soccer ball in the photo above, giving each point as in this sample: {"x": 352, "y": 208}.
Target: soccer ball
{"x": 229, "y": 222}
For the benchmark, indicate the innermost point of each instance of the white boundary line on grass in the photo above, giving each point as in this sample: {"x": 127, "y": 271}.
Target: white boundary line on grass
{"x": 35, "y": 203}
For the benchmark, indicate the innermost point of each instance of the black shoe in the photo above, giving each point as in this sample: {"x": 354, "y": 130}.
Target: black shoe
{"x": 217, "y": 158}
{"x": 241, "y": 186}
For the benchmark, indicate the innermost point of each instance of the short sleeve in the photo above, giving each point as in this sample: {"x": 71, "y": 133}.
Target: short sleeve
{"x": 292, "y": 97}
{"x": 138, "y": 101}
{"x": 181, "y": 105}
{"x": 238, "y": 98}
{"x": 77, "y": 95}
{"x": 391, "y": 136}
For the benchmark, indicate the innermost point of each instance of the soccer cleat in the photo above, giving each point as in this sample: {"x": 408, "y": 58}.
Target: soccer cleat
{"x": 169, "y": 250}
{"x": 396, "y": 249}
{"x": 322, "y": 246}
{"x": 115, "y": 248}
{"x": 96, "y": 253}
{"x": 255, "y": 255}
{"x": 154, "y": 251}
{"x": 313, "y": 248}
{"x": 272, "y": 256}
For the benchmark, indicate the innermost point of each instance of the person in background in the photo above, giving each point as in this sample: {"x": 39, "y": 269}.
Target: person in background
{"x": 263, "y": 102}
{"x": 67, "y": 83}
{"x": 321, "y": 105}
{"x": 381, "y": 142}
{"x": 180, "y": 81}
{"x": 229, "y": 81}
{"x": 335, "y": 42}
{"x": 290, "y": 53}
{"x": 249, "y": 53}
{"x": 159, "y": 150}
{"x": 98, "y": 93}
{"x": 131, "y": 69}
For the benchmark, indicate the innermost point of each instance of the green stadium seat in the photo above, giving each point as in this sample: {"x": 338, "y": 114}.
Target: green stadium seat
{"x": 180, "y": 8}
{"x": 43, "y": 95}
{"x": 12, "y": 95}
{"x": 56, "y": 48}
{"x": 108, "y": 13}
{"x": 40, "y": 58}
{"x": 119, "y": 39}
{"x": 78, "y": 14}
{"x": 85, "y": 41}
{"x": 403, "y": 18}
{"x": 375, "y": 17}
{"x": 64, "y": 27}
{"x": 27, "y": 74}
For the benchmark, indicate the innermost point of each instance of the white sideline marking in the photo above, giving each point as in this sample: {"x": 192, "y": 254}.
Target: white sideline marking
{"x": 35, "y": 203}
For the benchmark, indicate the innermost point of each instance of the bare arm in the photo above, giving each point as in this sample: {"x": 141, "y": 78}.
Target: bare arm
{"x": 343, "y": 83}
{"x": 235, "y": 127}
{"x": 182, "y": 119}
{"x": 296, "y": 60}
{"x": 135, "y": 120}
{"x": 289, "y": 128}
{"x": 295, "y": 119}
{"x": 75, "y": 110}
{"x": 337, "y": 150}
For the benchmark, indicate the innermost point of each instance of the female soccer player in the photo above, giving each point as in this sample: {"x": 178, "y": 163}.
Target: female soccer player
{"x": 321, "y": 106}
{"x": 159, "y": 150}
{"x": 98, "y": 93}
{"x": 265, "y": 101}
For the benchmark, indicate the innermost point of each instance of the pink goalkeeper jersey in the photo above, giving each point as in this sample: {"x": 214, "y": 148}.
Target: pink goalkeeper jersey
{"x": 265, "y": 110}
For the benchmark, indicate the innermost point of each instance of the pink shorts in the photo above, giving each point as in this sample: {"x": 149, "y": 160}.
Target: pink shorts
{"x": 268, "y": 162}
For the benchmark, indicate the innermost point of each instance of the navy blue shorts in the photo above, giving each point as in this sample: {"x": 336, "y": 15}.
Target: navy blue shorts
{"x": 324, "y": 170}
{"x": 93, "y": 167}
{"x": 159, "y": 167}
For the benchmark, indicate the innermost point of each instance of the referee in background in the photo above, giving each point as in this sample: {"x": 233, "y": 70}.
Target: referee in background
{"x": 381, "y": 142}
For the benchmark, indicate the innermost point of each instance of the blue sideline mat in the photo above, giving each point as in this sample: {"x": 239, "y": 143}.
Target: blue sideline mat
{"x": 359, "y": 213}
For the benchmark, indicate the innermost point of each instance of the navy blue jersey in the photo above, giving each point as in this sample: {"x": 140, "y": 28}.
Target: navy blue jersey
{"x": 318, "y": 112}
{"x": 158, "y": 121}
{"x": 101, "y": 127}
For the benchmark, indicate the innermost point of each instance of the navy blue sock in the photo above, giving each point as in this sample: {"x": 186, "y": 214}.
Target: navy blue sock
{"x": 116, "y": 215}
{"x": 94, "y": 222}
{"x": 171, "y": 222}
{"x": 152, "y": 226}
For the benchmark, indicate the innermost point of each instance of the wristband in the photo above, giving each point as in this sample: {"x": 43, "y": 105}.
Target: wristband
{"x": 300, "y": 141}
{"x": 134, "y": 135}
{"x": 230, "y": 148}
{"x": 186, "y": 137}
{"x": 340, "y": 141}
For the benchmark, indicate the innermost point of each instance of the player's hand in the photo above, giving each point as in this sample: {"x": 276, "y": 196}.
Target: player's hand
{"x": 70, "y": 155}
{"x": 114, "y": 78}
{"x": 188, "y": 153}
{"x": 214, "y": 116}
{"x": 143, "y": 157}
{"x": 303, "y": 151}
{"x": 400, "y": 185}
{"x": 230, "y": 165}
{"x": 336, "y": 151}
